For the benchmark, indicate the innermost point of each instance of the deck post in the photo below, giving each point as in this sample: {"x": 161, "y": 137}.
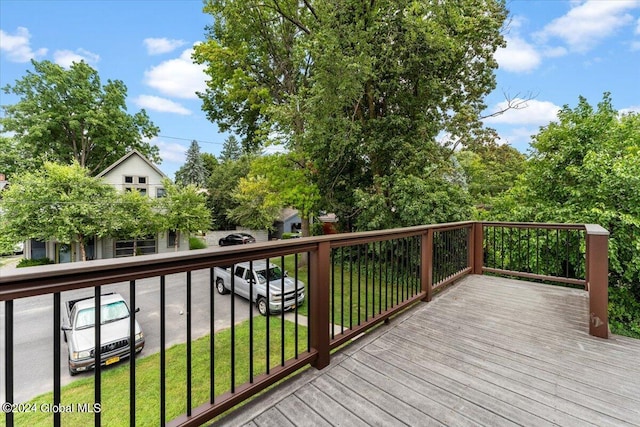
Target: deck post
{"x": 426, "y": 263}
{"x": 319, "y": 307}
{"x": 597, "y": 277}
{"x": 476, "y": 251}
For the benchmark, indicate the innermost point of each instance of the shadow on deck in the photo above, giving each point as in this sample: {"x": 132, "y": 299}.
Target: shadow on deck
{"x": 487, "y": 351}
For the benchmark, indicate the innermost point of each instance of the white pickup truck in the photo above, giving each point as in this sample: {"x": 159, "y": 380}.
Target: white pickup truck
{"x": 258, "y": 275}
{"x": 79, "y": 331}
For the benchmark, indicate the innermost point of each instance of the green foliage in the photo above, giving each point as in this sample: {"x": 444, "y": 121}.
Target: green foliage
{"x": 624, "y": 312}
{"x": 65, "y": 115}
{"x": 134, "y": 217}
{"x": 197, "y": 243}
{"x": 358, "y": 92}
{"x": 58, "y": 202}
{"x": 24, "y": 262}
{"x": 490, "y": 170}
{"x": 222, "y": 183}
{"x": 14, "y": 158}
{"x": 183, "y": 209}
{"x": 231, "y": 149}
{"x": 193, "y": 171}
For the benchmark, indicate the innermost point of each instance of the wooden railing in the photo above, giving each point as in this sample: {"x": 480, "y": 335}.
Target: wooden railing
{"x": 352, "y": 282}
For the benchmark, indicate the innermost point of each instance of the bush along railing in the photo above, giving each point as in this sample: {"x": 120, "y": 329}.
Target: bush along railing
{"x": 215, "y": 349}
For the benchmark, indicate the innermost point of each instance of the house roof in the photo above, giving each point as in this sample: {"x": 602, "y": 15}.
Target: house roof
{"x": 125, "y": 157}
{"x": 287, "y": 213}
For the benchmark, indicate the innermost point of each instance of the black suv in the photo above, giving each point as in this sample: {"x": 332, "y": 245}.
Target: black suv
{"x": 236, "y": 239}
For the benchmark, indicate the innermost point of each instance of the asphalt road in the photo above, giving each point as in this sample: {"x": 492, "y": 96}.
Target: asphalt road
{"x": 33, "y": 327}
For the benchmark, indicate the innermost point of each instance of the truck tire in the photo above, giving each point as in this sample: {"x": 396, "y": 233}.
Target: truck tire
{"x": 263, "y": 308}
{"x": 220, "y": 286}
{"x": 72, "y": 371}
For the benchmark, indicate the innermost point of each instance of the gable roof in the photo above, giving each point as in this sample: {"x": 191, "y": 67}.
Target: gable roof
{"x": 125, "y": 157}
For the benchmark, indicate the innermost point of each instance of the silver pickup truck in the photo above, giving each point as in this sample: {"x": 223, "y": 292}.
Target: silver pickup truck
{"x": 258, "y": 277}
{"x": 79, "y": 331}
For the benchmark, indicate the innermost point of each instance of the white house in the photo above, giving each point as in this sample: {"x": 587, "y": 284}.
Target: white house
{"x": 131, "y": 172}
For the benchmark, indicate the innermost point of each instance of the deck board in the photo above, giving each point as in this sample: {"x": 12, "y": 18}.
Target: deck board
{"x": 487, "y": 351}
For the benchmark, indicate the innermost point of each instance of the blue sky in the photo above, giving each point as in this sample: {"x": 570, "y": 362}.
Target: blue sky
{"x": 557, "y": 50}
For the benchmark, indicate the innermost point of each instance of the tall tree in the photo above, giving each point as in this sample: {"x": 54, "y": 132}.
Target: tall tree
{"x": 231, "y": 149}
{"x": 221, "y": 186}
{"x": 193, "y": 171}
{"x": 61, "y": 203}
{"x": 184, "y": 210}
{"x": 65, "y": 115}
{"x": 358, "y": 91}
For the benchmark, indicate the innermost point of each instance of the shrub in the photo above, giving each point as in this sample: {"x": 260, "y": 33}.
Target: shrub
{"x": 624, "y": 312}
{"x": 197, "y": 243}
{"x": 24, "y": 262}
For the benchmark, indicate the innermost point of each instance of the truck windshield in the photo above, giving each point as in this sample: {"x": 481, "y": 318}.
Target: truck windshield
{"x": 108, "y": 313}
{"x": 274, "y": 274}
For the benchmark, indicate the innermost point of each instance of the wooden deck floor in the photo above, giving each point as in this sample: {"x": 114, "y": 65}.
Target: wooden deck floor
{"x": 488, "y": 351}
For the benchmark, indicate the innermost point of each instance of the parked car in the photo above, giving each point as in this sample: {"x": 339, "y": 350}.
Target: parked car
{"x": 257, "y": 274}
{"x": 236, "y": 239}
{"x": 79, "y": 331}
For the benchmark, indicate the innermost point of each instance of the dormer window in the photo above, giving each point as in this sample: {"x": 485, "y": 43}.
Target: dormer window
{"x": 128, "y": 180}
{"x": 142, "y": 180}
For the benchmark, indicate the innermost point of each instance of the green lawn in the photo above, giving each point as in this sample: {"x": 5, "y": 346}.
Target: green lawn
{"x": 115, "y": 381}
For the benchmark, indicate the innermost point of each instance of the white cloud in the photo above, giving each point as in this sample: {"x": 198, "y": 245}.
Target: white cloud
{"x": 65, "y": 58}
{"x": 157, "y": 46}
{"x": 588, "y": 23}
{"x": 163, "y": 105}
{"x": 631, "y": 109}
{"x": 179, "y": 77}
{"x": 519, "y": 137}
{"x": 518, "y": 57}
{"x": 555, "y": 52}
{"x": 635, "y": 46}
{"x": 638, "y": 26}
{"x": 170, "y": 151}
{"x": 532, "y": 112}
{"x": 17, "y": 46}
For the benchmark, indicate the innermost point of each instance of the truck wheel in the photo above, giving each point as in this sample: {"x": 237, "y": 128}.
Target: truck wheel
{"x": 72, "y": 371}
{"x": 262, "y": 306}
{"x": 220, "y": 286}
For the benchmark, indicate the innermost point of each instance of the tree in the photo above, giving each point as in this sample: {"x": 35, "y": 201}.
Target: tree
{"x": 490, "y": 170}
{"x": 134, "y": 217}
{"x": 585, "y": 168}
{"x": 58, "y": 202}
{"x": 231, "y": 149}
{"x": 193, "y": 171}
{"x": 13, "y": 158}
{"x": 65, "y": 115}
{"x": 183, "y": 209}
{"x": 274, "y": 182}
{"x": 357, "y": 91}
{"x": 221, "y": 186}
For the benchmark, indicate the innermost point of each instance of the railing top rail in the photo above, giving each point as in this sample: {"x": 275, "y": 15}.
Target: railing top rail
{"x": 595, "y": 229}
{"x": 535, "y": 225}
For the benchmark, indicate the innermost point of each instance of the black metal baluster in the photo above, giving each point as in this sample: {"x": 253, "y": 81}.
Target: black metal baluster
{"x": 97, "y": 355}
{"x": 251, "y": 285}
{"x": 232, "y": 371}
{"x": 282, "y": 312}
{"x": 359, "y": 271}
{"x": 309, "y": 301}
{"x": 56, "y": 357}
{"x": 132, "y": 353}
{"x": 163, "y": 356}
{"x": 342, "y": 290}
{"x": 189, "y": 394}
{"x": 333, "y": 291}
{"x": 366, "y": 282}
{"x": 350, "y": 287}
{"x": 268, "y": 332}
{"x": 295, "y": 260}
{"x": 8, "y": 358}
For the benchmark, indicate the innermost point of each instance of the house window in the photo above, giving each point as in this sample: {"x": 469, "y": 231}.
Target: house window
{"x": 142, "y": 180}
{"x": 144, "y": 246}
{"x": 172, "y": 236}
{"x": 90, "y": 248}
{"x": 160, "y": 192}
{"x": 38, "y": 249}
{"x": 128, "y": 180}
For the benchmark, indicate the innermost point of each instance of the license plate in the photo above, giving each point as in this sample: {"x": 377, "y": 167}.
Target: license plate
{"x": 112, "y": 360}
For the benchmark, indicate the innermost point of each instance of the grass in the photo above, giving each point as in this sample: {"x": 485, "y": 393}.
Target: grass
{"x": 115, "y": 381}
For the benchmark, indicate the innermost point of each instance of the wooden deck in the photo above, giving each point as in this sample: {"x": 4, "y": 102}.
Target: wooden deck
{"x": 488, "y": 351}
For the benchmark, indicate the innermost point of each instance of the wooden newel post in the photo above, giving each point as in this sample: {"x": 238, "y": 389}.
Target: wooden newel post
{"x": 426, "y": 264}
{"x": 319, "y": 304}
{"x": 597, "y": 276}
{"x": 476, "y": 250}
